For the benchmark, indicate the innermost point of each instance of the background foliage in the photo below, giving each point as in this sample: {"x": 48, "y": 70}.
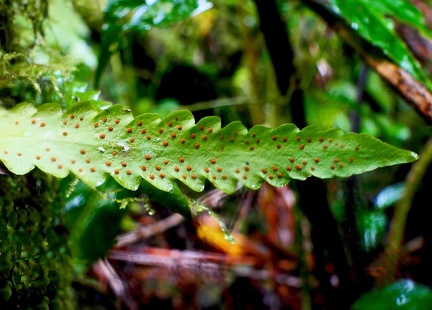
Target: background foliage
{"x": 313, "y": 244}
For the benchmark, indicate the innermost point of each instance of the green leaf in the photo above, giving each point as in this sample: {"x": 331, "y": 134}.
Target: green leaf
{"x": 93, "y": 219}
{"x": 403, "y": 294}
{"x": 370, "y": 20}
{"x": 123, "y": 16}
{"x": 160, "y": 151}
{"x": 371, "y": 225}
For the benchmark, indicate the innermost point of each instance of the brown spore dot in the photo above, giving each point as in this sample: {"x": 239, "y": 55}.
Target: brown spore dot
{"x": 182, "y": 141}
{"x": 213, "y": 161}
{"x": 221, "y": 137}
{"x": 160, "y": 130}
{"x": 201, "y": 128}
{"x": 158, "y": 168}
{"x": 312, "y": 168}
{"x": 88, "y": 160}
{"x": 246, "y": 168}
{"x": 288, "y": 168}
{"x": 147, "y": 156}
{"x": 298, "y": 167}
{"x": 53, "y": 159}
{"x": 246, "y": 141}
{"x": 161, "y": 175}
{"x": 304, "y": 162}
{"x": 214, "y": 177}
{"x": 219, "y": 169}
{"x": 309, "y": 140}
{"x": 117, "y": 121}
{"x": 114, "y": 153}
{"x": 33, "y": 121}
{"x": 210, "y": 130}
{"x": 16, "y": 122}
{"x": 278, "y": 146}
{"x": 351, "y": 159}
{"x": 128, "y": 172}
{"x": 298, "y": 138}
{"x": 64, "y": 122}
{"x": 128, "y": 130}
{"x": 325, "y": 146}
{"x": 270, "y": 176}
{"x": 47, "y": 149}
{"x": 73, "y": 161}
{"x": 251, "y": 148}
{"x": 170, "y": 124}
{"x": 107, "y": 163}
{"x": 5, "y": 152}
{"x": 332, "y": 167}
{"x": 181, "y": 159}
{"x": 357, "y": 148}
{"x": 179, "y": 127}
{"x": 152, "y": 176}
{"x": 148, "y": 137}
{"x": 116, "y": 171}
{"x": 254, "y": 135}
{"x": 274, "y": 138}
{"x": 81, "y": 118}
{"x": 19, "y": 154}
{"x": 83, "y": 152}
{"x": 207, "y": 170}
{"x": 257, "y": 141}
{"x": 173, "y": 135}
{"x": 284, "y": 139}
{"x": 316, "y": 160}
{"x": 184, "y": 176}
{"x": 341, "y": 165}
{"x": 110, "y": 128}
{"x": 80, "y": 169}
{"x": 92, "y": 169}
{"x": 302, "y": 146}
{"x": 38, "y": 157}
{"x": 139, "y": 123}
{"x": 192, "y": 135}
{"x": 279, "y": 175}
{"x": 102, "y": 136}
{"x": 143, "y": 168}
{"x": 71, "y": 116}
{"x": 143, "y": 131}
{"x": 165, "y": 162}
{"x": 189, "y": 168}
{"x": 275, "y": 168}
{"x": 176, "y": 169}
{"x": 237, "y": 170}
{"x": 330, "y": 140}
{"x": 196, "y": 145}
{"x": 194, "y": 176}
{"x": 124, "y": 164}
{"x": 244, "y": 177}
{"x": 291, "y": 159}
{"x": 264, "y": 170}
{"x": 104, "y": 119}
{"x": 132, "y": 140}
{"x": 64, "y": 133}
{"x": 59, "y": 166}
{"x": 204, "y": 137}
{"x": 165, "y": 143}
{"x": 76, "y": 125}
{"x": 232, "y": 139}
{"x": 336, "y": 160}
{"x": 42, "y": 124}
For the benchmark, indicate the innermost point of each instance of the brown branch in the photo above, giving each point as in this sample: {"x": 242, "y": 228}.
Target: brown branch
{"x": 414, "y": 92}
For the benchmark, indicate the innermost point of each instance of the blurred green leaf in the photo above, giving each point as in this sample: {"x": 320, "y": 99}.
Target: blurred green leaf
{"x": 123, "y": 16}
{"x": 403, "y": 294}
{"x": 370, "y": 19}
{"x": 93, "y": 219}
{"x": 371, "y": 225}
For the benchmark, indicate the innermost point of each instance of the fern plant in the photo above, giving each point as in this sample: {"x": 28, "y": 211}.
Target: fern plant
{"x": 93, "y": 144}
